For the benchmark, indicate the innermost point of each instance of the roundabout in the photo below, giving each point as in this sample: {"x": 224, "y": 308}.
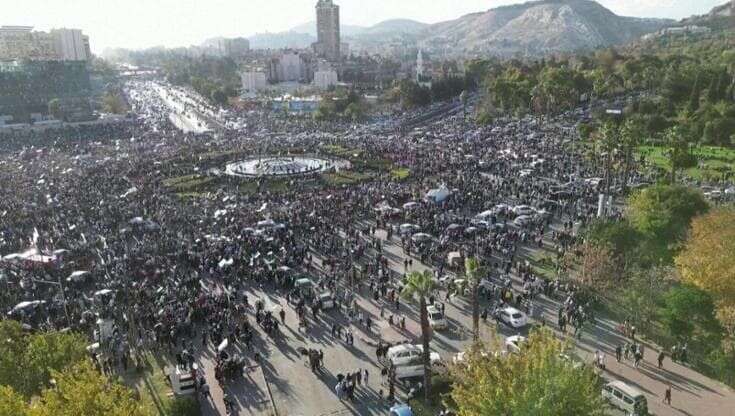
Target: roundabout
{"x": 278, "y": 166}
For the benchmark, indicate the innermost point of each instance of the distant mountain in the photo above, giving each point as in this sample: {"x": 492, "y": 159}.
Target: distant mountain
{"x": 537, "y": 28}
{"x": 726, "y": 10}
{"x": 310, "y": 28}
{"x": 720, "y": 17}
{"x": 304, "y": 35}
{"x": 395, "y": 26}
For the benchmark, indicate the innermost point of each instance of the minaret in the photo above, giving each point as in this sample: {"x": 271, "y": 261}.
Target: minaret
{"x": 420, "y": 67}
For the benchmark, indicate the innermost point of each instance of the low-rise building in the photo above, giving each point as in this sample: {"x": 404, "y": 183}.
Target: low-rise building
{"x": 325, "y": 78}
{"x": 22, "y": 43}
{"x": 253, "y": 81}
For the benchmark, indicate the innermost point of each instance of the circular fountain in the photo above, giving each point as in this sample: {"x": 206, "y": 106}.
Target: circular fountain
{"x": 276, "y": 166}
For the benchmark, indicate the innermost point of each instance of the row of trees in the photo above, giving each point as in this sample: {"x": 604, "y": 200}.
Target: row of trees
{"x": 212, "y": 77}
{"x": 668, "y": 261}
{"x": 412, "y": 95}
{"x": 348, "y": 106}
{"x": 692, "y": 87}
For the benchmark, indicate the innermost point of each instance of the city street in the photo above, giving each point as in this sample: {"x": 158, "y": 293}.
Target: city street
{"x": 299, "y": 392}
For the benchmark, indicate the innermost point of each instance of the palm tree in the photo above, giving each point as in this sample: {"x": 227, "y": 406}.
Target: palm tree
{"x": 679, "y": 153}
{"x": 419, "y": 286}
{"x": 473, "y": 274}
{"x": 631, "y": 135}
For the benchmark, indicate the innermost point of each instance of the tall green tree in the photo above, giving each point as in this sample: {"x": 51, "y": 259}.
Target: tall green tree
{"x": 662, "y": 214}
{"x": 82, "y": 391}
{"x": 419, "y": 286}
{"x": 688, "y": 312}
{"x": 679, "y": 152}
{"x": 27, "y": 360}
{"x": 631, "y": 136}
{"x": 536, "y": 382}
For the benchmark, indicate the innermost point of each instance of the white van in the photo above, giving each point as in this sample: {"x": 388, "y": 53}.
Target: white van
{"x": 625, "y": 397}
{"x": 408, "y": 362}
{"x": 436, "y": 318}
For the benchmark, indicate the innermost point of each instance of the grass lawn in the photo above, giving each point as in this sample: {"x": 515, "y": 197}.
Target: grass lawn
{"x": 543, "y": 263}
{"x": 344, "y": 178}
{"x": 191, "y": 183}
{"x": 341, "y": 152}
{"x": 154, "y": 391}
{"x": 714, "y": 161}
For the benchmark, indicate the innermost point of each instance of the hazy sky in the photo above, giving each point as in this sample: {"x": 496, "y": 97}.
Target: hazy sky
{"x": 145, "y": 23}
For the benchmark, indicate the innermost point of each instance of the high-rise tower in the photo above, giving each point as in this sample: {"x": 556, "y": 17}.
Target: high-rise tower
{"x": 327, "y": 28}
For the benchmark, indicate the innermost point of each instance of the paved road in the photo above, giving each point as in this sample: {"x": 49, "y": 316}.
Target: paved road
{"x": 297, "y": 391}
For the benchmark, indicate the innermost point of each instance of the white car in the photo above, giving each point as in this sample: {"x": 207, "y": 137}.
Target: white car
{"x": 327, "y": 300}
{"x": 523, "y": 220}
{"x": 513, "y": 343}
{"x": 513, "y": 317}
{"x": 408, "y": 362}
{"x": 436, "y": 318}
{"x": 543, "y": 214}
{"x": 408, "y": 229}
{"x": 524, "y": 210}
{"x": 404, "y": 353}
{"x": 483, "y": 224}
{"x": 593, "y": 181}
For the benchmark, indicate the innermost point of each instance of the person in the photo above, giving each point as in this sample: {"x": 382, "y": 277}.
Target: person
{"x": 366, "y": 376}
{"x": 661, "y": 357}
{"x": 618, "y": 352}
{"x": 229, "y": 404}
{"x": 204, "y": 388}
{"x": 667, "y": 395}
{"x": 283, "y": 316}
{"x": 683, "y": 353}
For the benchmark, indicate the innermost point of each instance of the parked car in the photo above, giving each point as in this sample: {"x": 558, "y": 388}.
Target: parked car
{"x": 513, "y": 317}
{"x": 327, "y": 300}
{"x": 437, "y": 320}
{"x": 523, "y": 210}
{"x": 523, "y": 220}
{"x": 408, "y": 361}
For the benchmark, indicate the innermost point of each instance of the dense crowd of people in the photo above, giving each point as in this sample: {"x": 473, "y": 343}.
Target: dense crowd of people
{"x": 91, "y": 237}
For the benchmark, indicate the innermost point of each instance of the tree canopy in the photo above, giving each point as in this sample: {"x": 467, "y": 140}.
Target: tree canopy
{"x": 662, "y": 213}
{"x": 538, "y": 381}
{"x": 708, "y": 257}
{"x": 28, "y": 359}
{"x": 82, "y": 391}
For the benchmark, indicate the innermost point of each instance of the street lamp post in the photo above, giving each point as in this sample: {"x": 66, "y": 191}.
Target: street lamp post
{"x": 63, "y": 296}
